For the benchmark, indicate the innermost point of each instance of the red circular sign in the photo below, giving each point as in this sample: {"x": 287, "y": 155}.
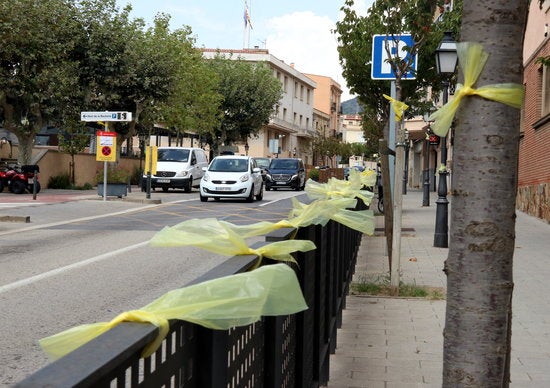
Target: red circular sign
{"x": 106, "y": 150}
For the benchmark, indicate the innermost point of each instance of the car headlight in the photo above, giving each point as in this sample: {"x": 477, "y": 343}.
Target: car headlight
{"x": 205, "y": 177}
{"x": 294, "y": 177}
{"x": 268, "y": 176}
{"x": 182, "y": 174}
{"x": 245, "y": 178}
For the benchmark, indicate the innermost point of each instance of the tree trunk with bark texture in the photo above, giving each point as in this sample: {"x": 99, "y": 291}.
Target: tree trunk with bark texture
{"x": 482, "y": 234}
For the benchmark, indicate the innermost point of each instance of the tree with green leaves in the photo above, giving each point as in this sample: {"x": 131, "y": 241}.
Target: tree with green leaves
{"x": 38, "y": 67}
{"x": 73, "y": 138}
{"x": 250, "y": 93}
{"x": 394, "y": 17}
{"x": 193, "y": 101}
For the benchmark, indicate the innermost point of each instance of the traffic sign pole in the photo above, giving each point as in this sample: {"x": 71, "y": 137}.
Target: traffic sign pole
{"x": 105, "y": 170}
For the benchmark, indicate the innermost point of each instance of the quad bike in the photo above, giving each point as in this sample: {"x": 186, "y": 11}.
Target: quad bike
{"x": 17, "y": 180}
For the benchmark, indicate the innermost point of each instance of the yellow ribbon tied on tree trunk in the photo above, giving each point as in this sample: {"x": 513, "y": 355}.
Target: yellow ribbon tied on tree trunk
{"x": 472, "y": 59}
{"x": 219, "y": 304}
{"x": 398, "y": 107}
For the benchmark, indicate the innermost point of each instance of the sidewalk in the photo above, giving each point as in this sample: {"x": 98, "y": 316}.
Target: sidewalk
{"x": 398, "y": 342}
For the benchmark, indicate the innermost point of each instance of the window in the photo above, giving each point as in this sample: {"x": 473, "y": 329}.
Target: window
{"x": 301, "y": 92}
{"x": 285, "y": 84}
{"x": 295, "y": 89}
{"x": 545, "y": 109}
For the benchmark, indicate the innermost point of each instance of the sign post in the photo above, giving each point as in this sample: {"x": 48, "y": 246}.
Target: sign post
{"x": 105, "y": 140}
{"x": 385, "y": 50}
{"x": 151, "y": 157}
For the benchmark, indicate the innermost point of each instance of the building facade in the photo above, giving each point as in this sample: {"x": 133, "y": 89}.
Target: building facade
{"x": 290, "y": 130}
{"x": 328, "y": 99}
{"x": 534, "y": 159}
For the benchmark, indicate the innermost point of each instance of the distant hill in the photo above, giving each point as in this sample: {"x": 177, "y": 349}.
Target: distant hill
{"x": 351, "y": 107}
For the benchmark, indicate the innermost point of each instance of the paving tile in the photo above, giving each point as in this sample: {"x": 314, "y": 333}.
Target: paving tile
{"x": 398, "y": 342}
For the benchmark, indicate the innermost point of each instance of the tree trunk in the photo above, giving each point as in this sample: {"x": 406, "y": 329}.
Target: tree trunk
{"x": 479, "y": 265}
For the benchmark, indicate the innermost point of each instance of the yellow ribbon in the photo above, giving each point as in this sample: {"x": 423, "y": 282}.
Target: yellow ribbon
{"x": 398, "y": 107}
{"x": 224, "y": 239}
{"x": 336, "y": 188}
{"x": 472, "y": 59}
{"x": 219, "y": 304}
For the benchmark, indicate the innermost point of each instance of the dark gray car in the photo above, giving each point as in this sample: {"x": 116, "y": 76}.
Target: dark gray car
{"x": 286, "y": 173}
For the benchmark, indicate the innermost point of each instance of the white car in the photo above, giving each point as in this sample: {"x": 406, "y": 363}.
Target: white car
{"x": 232, "y": 176}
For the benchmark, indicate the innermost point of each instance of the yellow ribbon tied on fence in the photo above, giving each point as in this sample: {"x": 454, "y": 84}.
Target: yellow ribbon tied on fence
{"x": 220, "y": 238}
{"x": 360, "y": 220}
{"x": 365, "y": 178}
{"x": 398, "y": 107}
{"x": 220, "y": 304}
{"x": 337, "y": 188}
{"x": 472, "y": 59}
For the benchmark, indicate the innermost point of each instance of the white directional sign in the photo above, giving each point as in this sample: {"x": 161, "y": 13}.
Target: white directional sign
{"x": 105, "y": 116}
{"x": 381, "y": 69}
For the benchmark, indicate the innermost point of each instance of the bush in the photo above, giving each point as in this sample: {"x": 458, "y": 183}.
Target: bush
{"x": 60, "y": 182}
{"x": 314, "y": 174}
{"x": 114, "y": 175}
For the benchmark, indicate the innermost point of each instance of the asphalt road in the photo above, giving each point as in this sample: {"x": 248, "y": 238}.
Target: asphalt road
{"x": 87, "y": 260}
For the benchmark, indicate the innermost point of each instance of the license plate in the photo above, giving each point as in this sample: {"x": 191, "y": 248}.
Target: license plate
{"x": 31, "y": 181}
{"x": 280, "y": 183}
{"x": 223, "y": 188}
{"x": 163, "y": 180}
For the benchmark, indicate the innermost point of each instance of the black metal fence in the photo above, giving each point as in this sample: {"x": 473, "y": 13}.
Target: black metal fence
{"x": 282, "y": 351}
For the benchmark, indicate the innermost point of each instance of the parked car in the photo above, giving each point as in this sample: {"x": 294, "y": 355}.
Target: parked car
{"x": 232, "y": 176}
{"x": 263, "y": 163}
{"x": 286, "y": 172}
{"x": 177, "y": 168}
{"x": 346, "y": 170}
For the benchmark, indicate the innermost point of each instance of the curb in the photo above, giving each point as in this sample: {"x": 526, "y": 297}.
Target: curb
{"x": 25, "y": 219}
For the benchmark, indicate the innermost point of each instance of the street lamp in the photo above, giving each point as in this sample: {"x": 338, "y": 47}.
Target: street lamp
{"x": 406, "y": 170}
{"x": 445, "y": 60}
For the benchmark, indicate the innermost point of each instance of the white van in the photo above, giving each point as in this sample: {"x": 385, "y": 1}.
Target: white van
{"x": 178, "y": 168}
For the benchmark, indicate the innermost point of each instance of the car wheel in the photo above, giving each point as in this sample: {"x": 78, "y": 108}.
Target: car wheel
{"x": 217, "y": 199}
{"x": 17, "y": 187}
{"x": 1, "y": 186}
{"x": 267, "y": 188}
{"x": 165, "y": 189}
{"x": 188, "y": 187}
{"x": 250, "y": 198}
{"x": 260, "y": 195}
{"x": 203, "y": 198}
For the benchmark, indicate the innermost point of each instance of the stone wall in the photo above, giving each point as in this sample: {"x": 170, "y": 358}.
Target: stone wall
{"x": 535, "y": 200}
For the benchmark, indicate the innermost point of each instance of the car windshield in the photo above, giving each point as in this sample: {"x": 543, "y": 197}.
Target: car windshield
{"x": 262, "y": 162}
{"x": 283, "y": 164}
{"x": 173, "y": 155}
{"x": 229, "y": 165}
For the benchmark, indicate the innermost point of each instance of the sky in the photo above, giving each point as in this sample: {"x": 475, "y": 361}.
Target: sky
{"x": 294, "y": 31}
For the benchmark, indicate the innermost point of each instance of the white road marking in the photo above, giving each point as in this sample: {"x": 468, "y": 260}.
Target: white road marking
{"x": 58, "y": 271}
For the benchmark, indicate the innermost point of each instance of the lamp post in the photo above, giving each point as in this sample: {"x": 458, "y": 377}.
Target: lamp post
{"x": 406, "y": 170}
{"x": 445, "y": 59}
